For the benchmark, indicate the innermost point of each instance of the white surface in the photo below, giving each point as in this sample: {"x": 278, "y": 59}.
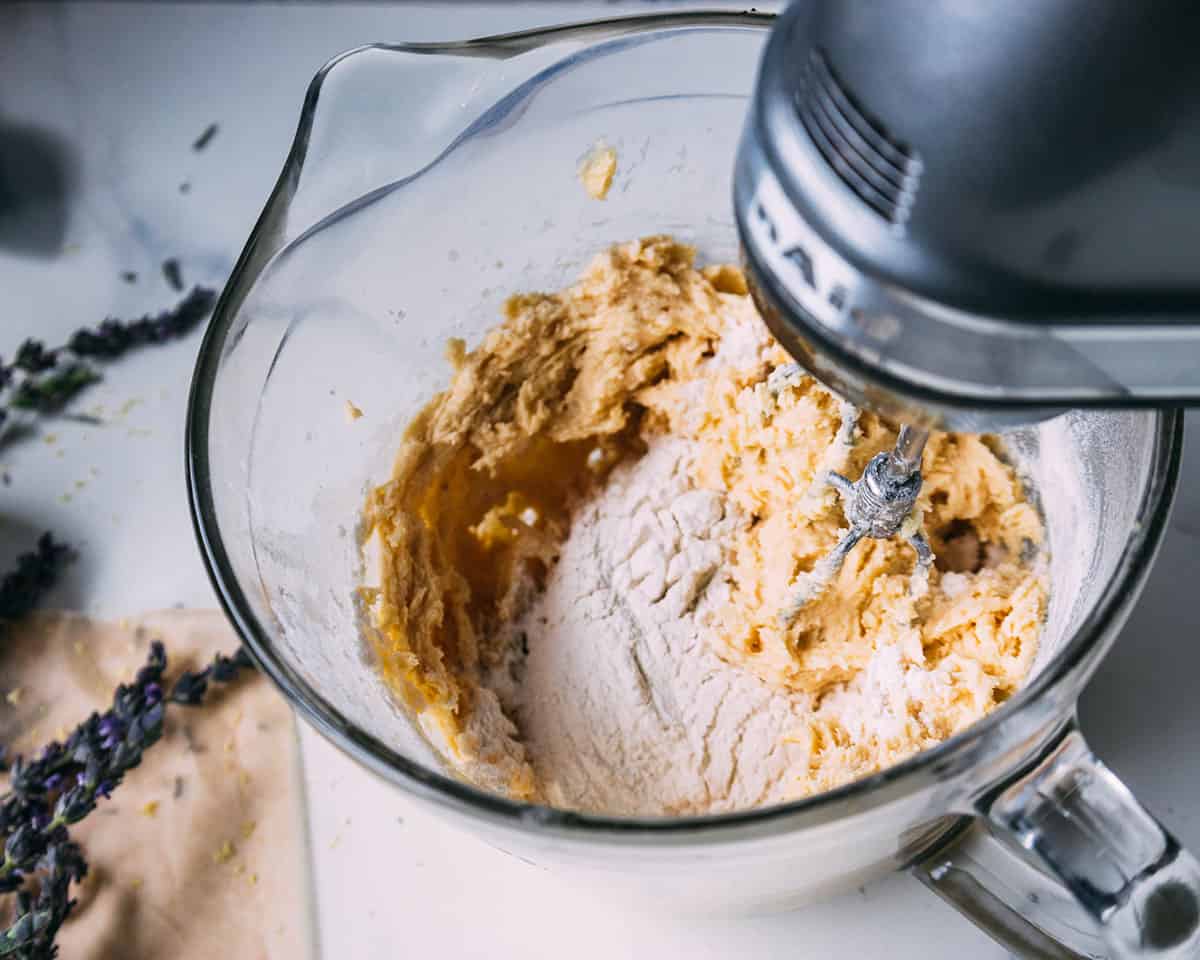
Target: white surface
{"x": 127, "y": 89}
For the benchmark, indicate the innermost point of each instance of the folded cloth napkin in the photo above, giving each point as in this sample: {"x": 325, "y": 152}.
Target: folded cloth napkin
{"x": 201, "y": 851}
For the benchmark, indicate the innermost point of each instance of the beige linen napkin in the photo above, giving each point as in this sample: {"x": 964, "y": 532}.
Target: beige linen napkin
{"x": 201, "y": 851}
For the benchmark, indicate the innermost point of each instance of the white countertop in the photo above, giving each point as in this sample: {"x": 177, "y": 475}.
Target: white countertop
{"x": 119, "y": 92}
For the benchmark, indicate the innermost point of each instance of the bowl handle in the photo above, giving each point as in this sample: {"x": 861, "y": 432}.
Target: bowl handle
{"x": 1063, "y": 862}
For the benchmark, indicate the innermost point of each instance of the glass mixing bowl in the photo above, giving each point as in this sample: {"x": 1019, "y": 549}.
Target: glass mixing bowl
{"x": 426, "y": 183}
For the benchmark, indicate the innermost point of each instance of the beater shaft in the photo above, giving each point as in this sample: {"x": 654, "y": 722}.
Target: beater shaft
{"x": 905, "y": 459}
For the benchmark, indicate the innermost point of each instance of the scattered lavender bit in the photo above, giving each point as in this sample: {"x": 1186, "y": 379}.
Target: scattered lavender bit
{"x": 206, "y": 137}
{"x": 129, "y": 276}
{"x": 173, "y": 274}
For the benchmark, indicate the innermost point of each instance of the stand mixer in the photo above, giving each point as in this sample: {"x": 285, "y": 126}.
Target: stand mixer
{"x": 969, "y": 216}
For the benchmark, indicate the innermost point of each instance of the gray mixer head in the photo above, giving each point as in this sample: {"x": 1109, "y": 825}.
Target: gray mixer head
{"x": 967, "y": 214}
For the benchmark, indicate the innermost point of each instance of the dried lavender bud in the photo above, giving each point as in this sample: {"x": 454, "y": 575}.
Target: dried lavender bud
{"x": 191, "y": 687}
{"x": 22, "y": 844}
{"x": 36, "y": 572}
{"x": 112, "y": 337}
{"x": 224, "y": 669}
{"x": 33, "y": 357}
{"x": 173, "y": 274}
{"x": 75, "y": 804}
{"x": 129, "y": 276}
{"x": 66, "y": 857}
{"x": 23, "y": 931}
{"x": 105, "y": 341}
{"x": 51, "y": 393}
{"x": 31, "y": 935}
{"x": 205, "y": 138}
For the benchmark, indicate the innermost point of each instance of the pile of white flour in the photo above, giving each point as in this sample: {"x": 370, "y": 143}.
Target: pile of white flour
{"x": 622, "y": 701}
{"x": 627, "y": 700}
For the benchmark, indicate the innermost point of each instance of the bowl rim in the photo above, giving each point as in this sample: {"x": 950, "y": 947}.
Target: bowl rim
{"x": 1078, "y": 656}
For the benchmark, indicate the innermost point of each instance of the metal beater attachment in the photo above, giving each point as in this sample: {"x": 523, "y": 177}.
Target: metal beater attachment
{"x": 879, "y": 504}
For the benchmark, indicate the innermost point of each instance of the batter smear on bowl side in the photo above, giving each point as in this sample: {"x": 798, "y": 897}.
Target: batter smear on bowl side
{"x": 580, "y": 560}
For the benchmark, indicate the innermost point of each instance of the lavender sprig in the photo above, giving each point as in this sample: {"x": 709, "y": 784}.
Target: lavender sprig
{"x": 91, "y": 764}
{"x": 190, "y": 688}
{"x": 63, "y": 784}
{"x": 44, "y": 380}
{"x": 35, "y": 573}
{"x": 31, "y": 935}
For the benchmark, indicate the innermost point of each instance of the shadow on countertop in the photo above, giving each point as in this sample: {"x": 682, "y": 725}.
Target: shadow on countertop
{"x": 19, "y": 534}
{"x": 38, "y": 175}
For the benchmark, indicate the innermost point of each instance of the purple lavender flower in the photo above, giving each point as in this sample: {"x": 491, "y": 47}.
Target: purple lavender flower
{"x": 63, "y": 785}
{"x": 110, "y": 731}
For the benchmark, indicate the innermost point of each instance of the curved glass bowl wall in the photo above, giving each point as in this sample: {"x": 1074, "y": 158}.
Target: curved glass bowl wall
{"x": 426, "y": 184}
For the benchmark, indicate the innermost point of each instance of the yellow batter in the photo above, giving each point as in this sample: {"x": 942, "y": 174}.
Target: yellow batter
{"x": 571, "y": 384}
